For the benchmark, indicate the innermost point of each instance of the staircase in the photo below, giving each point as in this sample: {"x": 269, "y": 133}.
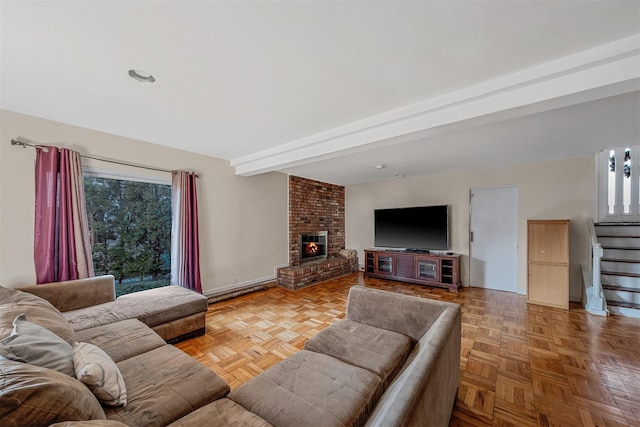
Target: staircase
{"x": 620, "y": 266}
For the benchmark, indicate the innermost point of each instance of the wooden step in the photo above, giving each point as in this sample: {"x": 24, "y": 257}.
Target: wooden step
{"x": 624, "y": 304}
{"x": 623, "y": 311}
{"x": 627, "y": 254}
{"x": 620, "y": 248}
{"x": 621, "y": 281}
{"x": 618, "y": 230}
{"x": 608, "y": 224}
{"x": 621, "y": 266}
{"x": 632, "y": 261}
{"x": 620, "y": 288}
{"x": 615, "y": 273}
{"x": 619, "y": 242}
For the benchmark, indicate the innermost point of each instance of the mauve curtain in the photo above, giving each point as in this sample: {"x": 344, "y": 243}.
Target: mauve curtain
{"x": 61, "y": 237}
{"x": 185, "y": 245}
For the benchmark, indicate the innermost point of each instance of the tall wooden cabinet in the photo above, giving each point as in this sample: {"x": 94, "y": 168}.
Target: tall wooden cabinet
{"x": 548, "y": 262}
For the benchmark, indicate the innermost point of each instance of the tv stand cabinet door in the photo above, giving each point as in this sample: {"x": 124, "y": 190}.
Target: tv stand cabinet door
{"x": 385, "y": 264}
{"x": 404, "y": 266}
{"x": 427, "y": 268}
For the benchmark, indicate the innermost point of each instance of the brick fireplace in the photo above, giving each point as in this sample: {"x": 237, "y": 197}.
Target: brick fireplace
{"x": 314, "y": 208}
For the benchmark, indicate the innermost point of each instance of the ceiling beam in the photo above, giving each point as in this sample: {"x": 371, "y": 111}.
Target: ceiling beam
{"x": 604, "y": 71}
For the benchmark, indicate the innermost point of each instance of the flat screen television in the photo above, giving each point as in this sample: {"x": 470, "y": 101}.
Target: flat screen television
{"x": 414, "y": 228}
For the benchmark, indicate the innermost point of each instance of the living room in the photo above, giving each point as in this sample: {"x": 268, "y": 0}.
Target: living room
{"x": 550, "y": 157}
{"x": 546, "y": 148}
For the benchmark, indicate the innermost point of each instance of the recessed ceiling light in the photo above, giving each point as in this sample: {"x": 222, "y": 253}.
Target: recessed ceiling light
{"x": 142, "y": 76}
{"x": 400, "y": 175}
{"x": 379, "y": 166}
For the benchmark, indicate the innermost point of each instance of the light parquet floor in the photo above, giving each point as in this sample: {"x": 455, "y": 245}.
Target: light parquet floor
{"x": 521, "y": 365}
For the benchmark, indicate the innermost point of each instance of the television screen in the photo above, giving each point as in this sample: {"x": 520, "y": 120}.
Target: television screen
{"x": 421, "y": 228}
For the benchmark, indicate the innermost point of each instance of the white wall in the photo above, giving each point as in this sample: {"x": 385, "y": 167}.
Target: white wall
{"x": 243, "y": 220}
{"x": 552, "y": 190}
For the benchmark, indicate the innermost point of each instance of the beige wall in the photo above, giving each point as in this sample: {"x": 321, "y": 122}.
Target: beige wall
{"x": 243, "y": 220}
{"x": 561, "y": 189}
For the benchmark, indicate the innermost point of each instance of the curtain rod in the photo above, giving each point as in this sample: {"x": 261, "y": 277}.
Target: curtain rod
{"x": 101, "y": 159}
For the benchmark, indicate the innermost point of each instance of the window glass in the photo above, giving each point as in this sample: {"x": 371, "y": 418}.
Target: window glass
{"x": 130, "y": 231}
{"x": 626, "y": 182}
{"x": 611, "y": 188}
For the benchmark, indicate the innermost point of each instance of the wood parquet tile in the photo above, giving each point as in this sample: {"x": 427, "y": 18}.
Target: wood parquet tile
{"x": 521, "y": 365}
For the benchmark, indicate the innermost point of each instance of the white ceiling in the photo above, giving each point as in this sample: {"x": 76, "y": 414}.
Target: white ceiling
{"x": 328, "y": 90}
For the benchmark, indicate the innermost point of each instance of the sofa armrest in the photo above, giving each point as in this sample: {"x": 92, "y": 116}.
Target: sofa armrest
{"x": 408, "y": 315}
{"x": 75, "y": 294}
{"x": 424, "y": 392}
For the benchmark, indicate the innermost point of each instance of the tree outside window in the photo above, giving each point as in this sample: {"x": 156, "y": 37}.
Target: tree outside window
{"x": 130, "y": 231}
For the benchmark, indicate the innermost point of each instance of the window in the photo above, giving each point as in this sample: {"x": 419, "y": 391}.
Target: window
{"x": 611, "y": 206}
{"x": 619, "y": 187}
{"x": 626, "y": 182}
{"x": 130, "y": 231}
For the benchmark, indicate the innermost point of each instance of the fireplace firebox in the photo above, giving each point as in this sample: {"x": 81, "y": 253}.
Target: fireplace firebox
{"x": 313, "y": 246}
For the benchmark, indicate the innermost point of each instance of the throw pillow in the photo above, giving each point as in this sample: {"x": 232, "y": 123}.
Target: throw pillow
{"x": 35, "y": 396}
{"x": 33, "y": 344}
{"x": 95, "y": 368}
{"x": 38, "y": 310}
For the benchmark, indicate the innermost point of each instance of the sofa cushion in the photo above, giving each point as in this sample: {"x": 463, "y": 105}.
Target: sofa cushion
{"x": 164, "y": 385}
{"x": 122, "y": 340}
{"x": 35, "y": 396}
{"x": 95, "y": 368}
{"x": 96, "y": 315}
{"x": 311, "y": 389}
{"x": 377, "y": 350}
{"x": 222, "y": 412}
{"x": 169, "y": 303}
{"x": 14, "y": 302}
{"x": 33, "y": 344}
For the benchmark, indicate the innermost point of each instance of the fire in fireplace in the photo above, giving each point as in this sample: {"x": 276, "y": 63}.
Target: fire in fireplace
{"x": 313, "y": 246}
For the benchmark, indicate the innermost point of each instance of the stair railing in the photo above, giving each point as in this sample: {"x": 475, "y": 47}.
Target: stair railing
{"x": 596, "y": 302}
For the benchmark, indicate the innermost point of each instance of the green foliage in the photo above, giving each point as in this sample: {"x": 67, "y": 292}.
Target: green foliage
{"x": 130, "y": 227}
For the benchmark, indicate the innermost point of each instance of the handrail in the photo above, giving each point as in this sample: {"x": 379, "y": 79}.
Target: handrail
{"x": 596, "y": 302}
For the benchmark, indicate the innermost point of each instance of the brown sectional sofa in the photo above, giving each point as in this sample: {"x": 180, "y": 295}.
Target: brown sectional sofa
{"x": 87, "y": 303}
{"x": 394, "y": 361}
{"x": 163, "y": 384}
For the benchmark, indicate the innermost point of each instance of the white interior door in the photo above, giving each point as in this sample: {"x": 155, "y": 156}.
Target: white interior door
{"x": 494, "y": 238}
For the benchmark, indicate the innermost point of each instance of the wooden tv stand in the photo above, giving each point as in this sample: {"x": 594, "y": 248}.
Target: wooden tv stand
{"x": 423, "y": 268}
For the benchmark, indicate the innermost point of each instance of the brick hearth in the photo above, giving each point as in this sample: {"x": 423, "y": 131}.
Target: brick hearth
{"x": 309, "y": 273}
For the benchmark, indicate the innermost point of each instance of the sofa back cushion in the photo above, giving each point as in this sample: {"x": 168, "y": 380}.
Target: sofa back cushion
{"x": 75, "y": 294}
{"x": 14, "y": 302}
{"x": 407, "y": 315}
{"x": 35, "y": 396}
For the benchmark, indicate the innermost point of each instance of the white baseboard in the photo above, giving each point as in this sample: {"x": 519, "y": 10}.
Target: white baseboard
{"x": 237, "y": 286}
{"x": 243, "y": 285}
